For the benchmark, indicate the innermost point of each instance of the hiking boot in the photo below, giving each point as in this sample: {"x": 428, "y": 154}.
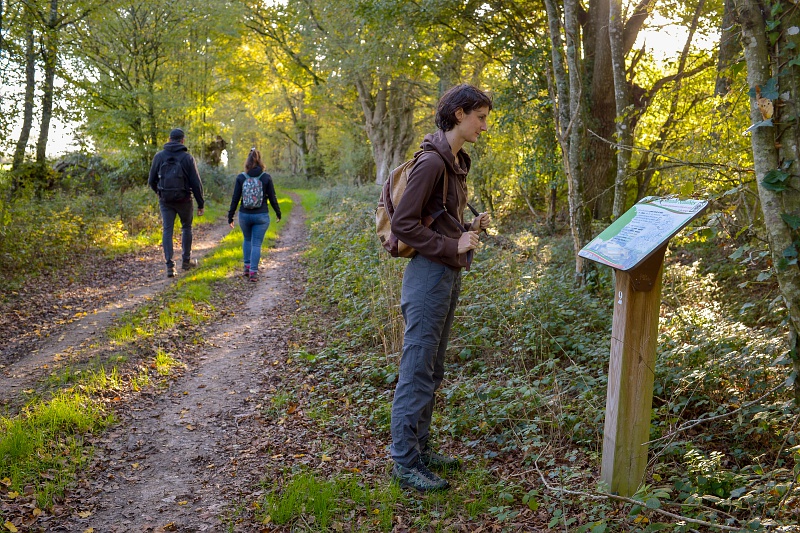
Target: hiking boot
{"x": 247, "y": 271}
{"x": 191, "y": 263}
{"x": 170, "y": 271}
{"x": 254, "y": 275}
{"x": 432, "y": 459}
{"x": 418, "y": 477}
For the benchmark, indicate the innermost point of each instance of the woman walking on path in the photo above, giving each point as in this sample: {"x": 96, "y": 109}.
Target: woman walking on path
{"x": 252, "y": 187}
{"x": 432, "y": 279}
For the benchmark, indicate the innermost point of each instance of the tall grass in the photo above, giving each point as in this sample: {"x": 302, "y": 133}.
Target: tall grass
{"x": 44, "y": 446}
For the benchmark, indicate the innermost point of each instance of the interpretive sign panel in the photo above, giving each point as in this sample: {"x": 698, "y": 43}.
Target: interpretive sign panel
{"x": 642, "y": 230}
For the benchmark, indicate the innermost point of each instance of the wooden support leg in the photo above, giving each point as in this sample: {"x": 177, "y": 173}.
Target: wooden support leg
{"x": 637, "y": 298}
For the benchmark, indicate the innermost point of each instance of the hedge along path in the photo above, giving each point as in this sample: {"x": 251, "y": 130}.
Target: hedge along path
{"x": 178, "y": 460}
{"x": 40, "y": 346}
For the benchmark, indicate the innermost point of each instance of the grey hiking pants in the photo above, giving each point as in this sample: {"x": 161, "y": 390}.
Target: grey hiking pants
{"x": 428, "y": 302}
{"x": 169, "y": 211}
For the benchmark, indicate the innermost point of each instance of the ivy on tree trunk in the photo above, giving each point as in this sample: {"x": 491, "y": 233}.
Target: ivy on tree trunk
{"x": 769, "y": 39}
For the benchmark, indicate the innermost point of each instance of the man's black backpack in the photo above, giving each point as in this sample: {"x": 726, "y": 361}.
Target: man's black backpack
{"x": 172, "y": 182}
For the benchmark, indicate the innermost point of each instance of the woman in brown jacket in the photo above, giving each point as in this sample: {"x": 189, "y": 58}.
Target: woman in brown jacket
{"x": 432, "y": 279}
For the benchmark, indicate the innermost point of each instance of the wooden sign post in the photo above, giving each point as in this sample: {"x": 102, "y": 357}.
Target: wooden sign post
{"x": 634, "y": 245}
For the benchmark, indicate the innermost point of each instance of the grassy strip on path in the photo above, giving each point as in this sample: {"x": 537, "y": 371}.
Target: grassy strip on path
{"x": 115, "y": 241}
{"x": 43, "y": 447}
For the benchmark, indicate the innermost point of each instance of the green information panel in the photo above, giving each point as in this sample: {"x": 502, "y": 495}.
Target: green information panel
{"x": 642, "y": 230}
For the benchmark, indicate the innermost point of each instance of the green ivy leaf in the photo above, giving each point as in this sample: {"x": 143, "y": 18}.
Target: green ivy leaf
{"x": 770, "y": 89}
{"x": 653, "y": 503}
{"x": 739, "y": 252}
{"x": 735, "y": 493}
{"x": 792, "y": 220}
{"x": 774, "y": 180}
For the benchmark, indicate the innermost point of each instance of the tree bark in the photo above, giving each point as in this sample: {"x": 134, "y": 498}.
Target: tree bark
{"x": 599, "y": 160}
{"x": 729, "y": 48}
{"x": 2, "y": 25}
{"x": 50, "y": 58}
{"x": 389, "y": 121}
{"x": 768, "y": 155}
{"x": 27, "y": 112}
{"x": 622, "y": 100}
{"x": 580, "y": 218}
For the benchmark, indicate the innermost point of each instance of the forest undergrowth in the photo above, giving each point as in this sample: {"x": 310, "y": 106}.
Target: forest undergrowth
{"x": 523, "y": 401}
{"x": 524, "y": 396}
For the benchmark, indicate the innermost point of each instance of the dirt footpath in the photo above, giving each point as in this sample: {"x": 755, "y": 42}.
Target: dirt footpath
{"x": 179, "y": 459}
{"x": 55, "y": 322}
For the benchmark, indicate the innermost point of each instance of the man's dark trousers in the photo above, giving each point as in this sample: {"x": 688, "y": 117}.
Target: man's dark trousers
{"x": 185, "y": 211}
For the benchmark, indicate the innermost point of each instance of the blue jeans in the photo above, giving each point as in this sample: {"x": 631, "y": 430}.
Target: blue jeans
{"x": 185, "y": 211}
{"x": 254, "y": 228}
{"x": 428, "y": 302}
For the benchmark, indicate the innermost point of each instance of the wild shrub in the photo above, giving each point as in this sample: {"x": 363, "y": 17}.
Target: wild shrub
{"x": 528, "y": 361}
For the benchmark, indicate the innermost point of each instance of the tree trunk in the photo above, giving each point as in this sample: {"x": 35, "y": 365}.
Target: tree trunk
{"x": 2, "y": 18}
{"x": 579, "y": 215}
{"x": 50, "y": 59}
{"x": 729, "y": 48}
{"x": 300, "y": 138}
{"x": 768, "y": 155}
{"x": 27, "y": 113}
{"x": 389, "y": 120}
{"x": 568, "y": 116}
{"x": 450, "y": 67}
{"x": 622, "y": 99}
{"x": 599, "y": 160}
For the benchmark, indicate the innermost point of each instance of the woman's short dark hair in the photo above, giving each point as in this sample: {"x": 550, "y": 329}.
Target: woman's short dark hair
{"x": 464, "y": 96}
{"x": 253, "y": 160}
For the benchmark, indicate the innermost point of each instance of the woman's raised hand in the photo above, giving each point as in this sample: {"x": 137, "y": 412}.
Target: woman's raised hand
{"x": 480, "y": 222}
{"x": 468, "y": 241}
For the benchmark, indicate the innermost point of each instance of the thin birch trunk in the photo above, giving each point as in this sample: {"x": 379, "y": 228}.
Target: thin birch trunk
{"x": 767, "y": 157}
{"x": 578, "y": 214}
{"x": 622, "y": 100}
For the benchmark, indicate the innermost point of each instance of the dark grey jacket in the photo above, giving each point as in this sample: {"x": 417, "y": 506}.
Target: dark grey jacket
{"x": 175, "y": 148}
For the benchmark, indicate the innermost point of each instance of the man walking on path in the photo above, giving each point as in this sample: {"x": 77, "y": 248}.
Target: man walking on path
{"x": 174, "y": 178}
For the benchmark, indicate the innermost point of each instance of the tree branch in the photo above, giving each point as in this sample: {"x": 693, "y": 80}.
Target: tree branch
{"x": 634, "y": 24}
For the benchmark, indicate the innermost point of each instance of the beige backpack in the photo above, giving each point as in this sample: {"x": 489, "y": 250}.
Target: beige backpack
{"x": 392, "y": 191}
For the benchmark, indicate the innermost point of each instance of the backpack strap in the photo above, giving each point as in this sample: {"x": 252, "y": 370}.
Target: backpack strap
{"x": 428, "y": 220}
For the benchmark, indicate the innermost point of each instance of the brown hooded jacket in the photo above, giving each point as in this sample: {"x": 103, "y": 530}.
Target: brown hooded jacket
{"x": 423, "y": 196}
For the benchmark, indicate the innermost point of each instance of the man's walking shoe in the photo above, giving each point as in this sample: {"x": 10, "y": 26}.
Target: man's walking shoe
{"x": 170, "y": 271}
{"x": 191, "y": 263}
{"x": 432, "y": 459}
{"x": 254, "y": 275}
{"x": 418, "y": 477}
